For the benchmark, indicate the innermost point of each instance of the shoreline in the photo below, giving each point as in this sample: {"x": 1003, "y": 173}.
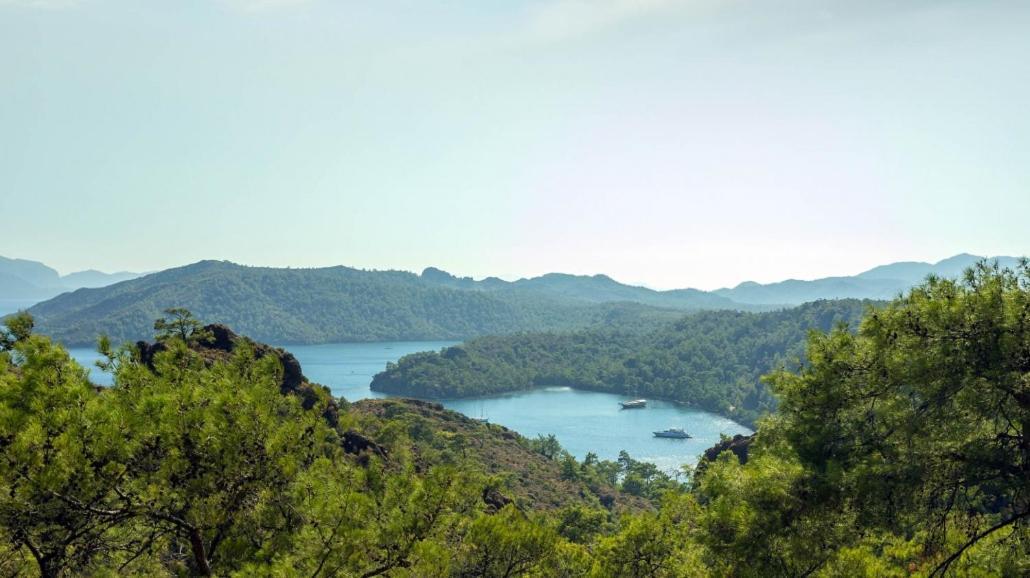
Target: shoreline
{"x": 751, "y": 425}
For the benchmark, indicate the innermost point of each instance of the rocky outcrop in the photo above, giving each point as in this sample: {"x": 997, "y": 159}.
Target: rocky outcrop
{"x": 494, "y": 499}
{"x": 224, "y": 341}
{"x": 147, "y": 351}
{"x": 222, "y": 338}
{"x": 361, "y": 446}
{"x": 356, "y": 443}
{"x": 740, "y": 445}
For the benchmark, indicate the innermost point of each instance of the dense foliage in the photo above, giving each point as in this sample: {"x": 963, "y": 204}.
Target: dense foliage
{"x": 919, "y": 426}
{"x": 593, "y": 289}
{"x": 898, "y": 450}
{"x": 336, "y": 304}
{"x": 195, "y": 462}
{"x": 712, "y": 359}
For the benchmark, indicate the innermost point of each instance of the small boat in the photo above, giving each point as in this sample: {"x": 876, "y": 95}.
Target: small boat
{"x": 482, "y": 418}
{"x": 673, "y": 432}
{"x": 633, "y": 404}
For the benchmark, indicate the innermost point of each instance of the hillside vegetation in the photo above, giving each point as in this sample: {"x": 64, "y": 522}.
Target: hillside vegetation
{"x": 713, "y": 360}
{"x": 587, "y": 288}
{"x": 897, "y": 450}
{"x": 335, "y": 304}
{"x": 213, "y": 455}
{"x": 340, "y": 304}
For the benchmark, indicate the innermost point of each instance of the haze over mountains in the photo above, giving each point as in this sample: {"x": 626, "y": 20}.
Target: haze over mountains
{"x": 22, "y": 279}
{"x": 319, "y": 305}
{"x": 883, "y": 282}
{"x": 587, "y": 288}
{"x": 346, "y": 304}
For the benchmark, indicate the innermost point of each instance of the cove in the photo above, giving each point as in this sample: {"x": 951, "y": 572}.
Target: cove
{"x": 583, "y": 421}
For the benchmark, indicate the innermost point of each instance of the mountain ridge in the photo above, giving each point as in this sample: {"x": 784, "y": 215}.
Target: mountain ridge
{"x": 598, "y": 288}
{"x": 881, "y": 282}
{"x": 25, "y": 279}
{"x": 318, "y": 305}
{"x": 340, "y": 303}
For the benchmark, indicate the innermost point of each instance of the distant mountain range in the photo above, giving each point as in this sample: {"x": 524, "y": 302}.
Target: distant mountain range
{"x": 25, "y": 280}
{"x": 586, "y": 288}
{"x": 345, "y": 304}
{"x": 883, "y": 282}
{"x": 322, "y": 305}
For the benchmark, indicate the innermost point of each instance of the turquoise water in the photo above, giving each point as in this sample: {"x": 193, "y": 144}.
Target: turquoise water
{"x": 347, "y": 368}
{"x": 583, "y": 421}
{"x": 87, "y": 358}
{"x": 586, "y": 421}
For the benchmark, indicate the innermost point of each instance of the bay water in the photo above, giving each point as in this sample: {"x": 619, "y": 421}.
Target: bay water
{"x": 583, "y": 421}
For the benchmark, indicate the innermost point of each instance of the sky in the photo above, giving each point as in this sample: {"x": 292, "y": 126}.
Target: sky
{"x": 670, "y": 143}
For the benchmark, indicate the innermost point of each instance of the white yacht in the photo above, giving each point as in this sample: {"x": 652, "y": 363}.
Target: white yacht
{"x": 673, "y": 432}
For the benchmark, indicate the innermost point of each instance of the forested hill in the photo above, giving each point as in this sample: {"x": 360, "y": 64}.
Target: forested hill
{"x": 899, "y": 450}
{"x": 712, "y": 359}
{"x": 321, "y": 305}
{"x": 346, "y": 304}
{"x": 588, "y": 288}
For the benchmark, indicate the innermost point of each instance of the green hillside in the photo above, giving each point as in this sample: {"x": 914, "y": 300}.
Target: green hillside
{"x": 712, "y": 359}
{"x": 334, "y": 304}
{"x": 587, "y": 288}
{"x": 898, "y": 450}
{"x": 345, "y": 304}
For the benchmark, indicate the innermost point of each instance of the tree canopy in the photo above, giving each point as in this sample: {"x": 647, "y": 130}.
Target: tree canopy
{"x": 899, "y": 449}
{"x": 335, "y": 304}
{"x": 712, "y": 359}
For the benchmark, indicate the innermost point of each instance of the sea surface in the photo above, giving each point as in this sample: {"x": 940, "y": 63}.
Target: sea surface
{"x": 583, "y": 421}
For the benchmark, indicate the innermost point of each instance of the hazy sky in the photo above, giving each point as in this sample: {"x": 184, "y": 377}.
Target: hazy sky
{"x": 668, "y": 142}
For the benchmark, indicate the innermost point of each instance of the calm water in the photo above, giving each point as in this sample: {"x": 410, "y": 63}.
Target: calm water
{"x": 583, "y": 421}
{"x": 347, "y": 368}
{"x": 586, "y": 421}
